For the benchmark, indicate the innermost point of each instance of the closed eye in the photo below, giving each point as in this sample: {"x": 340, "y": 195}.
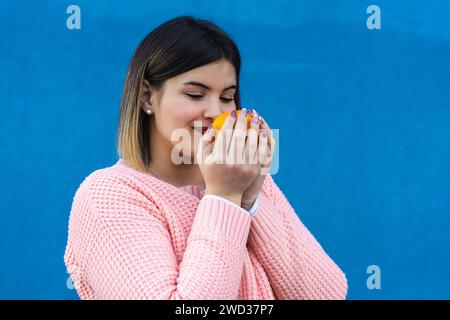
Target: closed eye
{"x": 199, "y": 97}
{"x": 195, "y": 96}
{"x": 226, "y": 100}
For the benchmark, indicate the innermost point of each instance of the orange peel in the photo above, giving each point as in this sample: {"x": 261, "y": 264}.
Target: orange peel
{"x": 220, "y": 120}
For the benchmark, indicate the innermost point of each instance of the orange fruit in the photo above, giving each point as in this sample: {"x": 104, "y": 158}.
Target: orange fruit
{"x": 219, "y": 121}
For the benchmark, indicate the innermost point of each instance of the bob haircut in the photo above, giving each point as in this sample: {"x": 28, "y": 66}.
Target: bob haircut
{"x": 177, "y": 46}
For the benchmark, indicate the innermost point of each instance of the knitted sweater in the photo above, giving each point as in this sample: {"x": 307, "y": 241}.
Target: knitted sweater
{"x": 133, "y": 236}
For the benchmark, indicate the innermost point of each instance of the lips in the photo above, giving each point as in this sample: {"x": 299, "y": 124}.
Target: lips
{"x": 202, "y": 130}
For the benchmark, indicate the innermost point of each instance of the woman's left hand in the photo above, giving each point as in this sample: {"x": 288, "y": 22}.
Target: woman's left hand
{"x": 266, "y": 149}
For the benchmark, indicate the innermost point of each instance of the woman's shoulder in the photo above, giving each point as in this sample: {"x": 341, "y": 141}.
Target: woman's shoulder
{"x": 116, "y": 182}
{"x": 115, "y": 191}
{"x": 100, "y": 180}
{"x": 115, "y": 177}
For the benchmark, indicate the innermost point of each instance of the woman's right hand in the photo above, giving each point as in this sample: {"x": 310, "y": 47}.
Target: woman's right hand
{"x": 227, "y": 160}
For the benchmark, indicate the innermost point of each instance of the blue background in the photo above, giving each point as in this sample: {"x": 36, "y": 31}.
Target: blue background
{"x": 363, "y": 116}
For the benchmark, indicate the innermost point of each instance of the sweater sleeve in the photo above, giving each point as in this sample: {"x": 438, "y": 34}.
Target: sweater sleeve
{"x": 297, "y": 266}
{"x": 131, "y": 254}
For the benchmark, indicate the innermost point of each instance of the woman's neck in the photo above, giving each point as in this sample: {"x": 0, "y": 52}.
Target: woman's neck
{"x": 163, "y": 168}
{"x": 177, "y": 175}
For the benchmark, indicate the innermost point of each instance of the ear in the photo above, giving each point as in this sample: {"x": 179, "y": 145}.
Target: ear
{"x": 146, "y": 93}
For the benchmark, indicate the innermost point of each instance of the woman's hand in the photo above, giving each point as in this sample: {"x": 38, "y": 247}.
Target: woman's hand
{"x": 266, "y": 150}
{"x": 229, "y": 163}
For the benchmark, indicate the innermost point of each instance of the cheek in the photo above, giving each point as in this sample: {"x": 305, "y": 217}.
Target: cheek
{"x": 187, "y": 115}
{"x": 183, "y": 112}
{"x": 180, "y": 114}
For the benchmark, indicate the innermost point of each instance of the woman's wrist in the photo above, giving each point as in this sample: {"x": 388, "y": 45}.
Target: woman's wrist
{"x": 235, "y": 198}
{"x": 247, "y": 204}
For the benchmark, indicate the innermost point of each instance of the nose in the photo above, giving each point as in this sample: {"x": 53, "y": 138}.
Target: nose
{"x": 213, "y": 111}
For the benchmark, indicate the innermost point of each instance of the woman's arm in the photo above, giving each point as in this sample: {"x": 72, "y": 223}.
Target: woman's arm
{"x": 296, "y": 265}
{"x": 131, "y": 254}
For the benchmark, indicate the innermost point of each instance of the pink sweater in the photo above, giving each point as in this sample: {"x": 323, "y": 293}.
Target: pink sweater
{"x": 132, "y": 236}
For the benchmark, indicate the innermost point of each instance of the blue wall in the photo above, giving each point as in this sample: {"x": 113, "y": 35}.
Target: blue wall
{"x": 363, "y": 116}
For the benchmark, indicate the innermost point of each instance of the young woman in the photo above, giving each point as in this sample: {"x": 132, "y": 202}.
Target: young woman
{"x": 158, "y": 225}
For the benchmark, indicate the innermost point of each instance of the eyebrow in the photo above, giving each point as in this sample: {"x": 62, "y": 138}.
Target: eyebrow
{"x": 196, "y": 83}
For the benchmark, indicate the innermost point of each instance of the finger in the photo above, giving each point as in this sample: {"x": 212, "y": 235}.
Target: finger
{"x": 267, "y": 162}
{"x": 209, "y": 136}
{"x": 263, "y": 153}
{"x": 252, "y": 141}
{"x": 262, "y": 147}
{"x": 272, "y": 144}
{"x": 206, "y": 144}
{"x": 204, "y": 152}
{"x": 266, "y": 126}
{"x": 208, "y": 151}
{"x": 224, "y": 136}
{"x": 237, "y": 144}
{"x": 266, "y": 159}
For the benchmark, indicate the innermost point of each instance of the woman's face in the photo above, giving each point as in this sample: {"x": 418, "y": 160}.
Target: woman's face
{"x": 195, "y": 97}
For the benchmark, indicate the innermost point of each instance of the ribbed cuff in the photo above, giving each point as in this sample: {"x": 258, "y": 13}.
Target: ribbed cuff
{"x": 221, "y": 217}
{"x": 226, "y": 200}
{"x": 266, "y": 224}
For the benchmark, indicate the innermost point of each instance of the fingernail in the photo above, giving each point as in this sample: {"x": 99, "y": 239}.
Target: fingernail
{"x": 233, "y": 113}
{"x": 243, "y": 112}
{"x": 255, "y": 119}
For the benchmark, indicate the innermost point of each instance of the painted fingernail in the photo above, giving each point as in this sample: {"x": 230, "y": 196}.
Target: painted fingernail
{"x": 233, "y": 113}
{"x": 243, "y": 112}
{"x": 255, "y": 119}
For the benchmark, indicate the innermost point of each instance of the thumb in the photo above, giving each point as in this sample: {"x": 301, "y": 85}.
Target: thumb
{"x": 206, "y": 145}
